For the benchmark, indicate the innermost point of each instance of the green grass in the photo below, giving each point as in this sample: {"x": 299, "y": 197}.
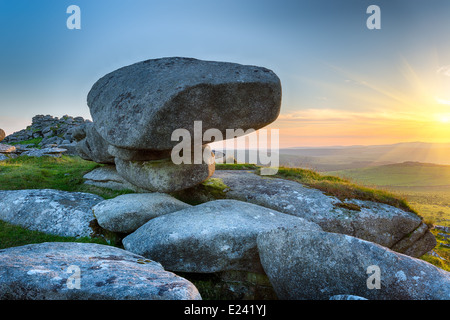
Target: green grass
{"x": 64, "y": 173}
{"x": 343, "y": 189}
{"x": 407, "y": 174}
{"x": 34, "y": 142}
{"x": 13, "y": 236}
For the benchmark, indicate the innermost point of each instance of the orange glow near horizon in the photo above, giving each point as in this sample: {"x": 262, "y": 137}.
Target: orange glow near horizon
{"x": 417, "y": 110}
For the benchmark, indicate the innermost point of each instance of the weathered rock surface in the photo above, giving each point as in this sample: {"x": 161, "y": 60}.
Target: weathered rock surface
{"x": 138, "y": 155}
{"x": 318, "y": 265}
{"x": 380, "y": 223}
{"x": 82, "y": 271}
{"x": 128, "y": 212}
{"x": 50, "y": 211}
{"x": 164, "y": 175}
{"x": 92, "y": 146}
{"x": 139, "y": 106}
{"x": 215, "y": 236}
{"x": 6, "y": 148}
{"x": 51, "y": 152}
{"x": 2, "y": 135}
{"x": 107, "y": 177}
{"x": 52, "y": 130}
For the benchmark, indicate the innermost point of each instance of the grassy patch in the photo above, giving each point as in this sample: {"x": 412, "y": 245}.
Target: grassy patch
{"x": 34, "y": 142}
{"x": 65, "y": 173}
{"x": 13, "y": 236}
{"x": 341, "y": 188}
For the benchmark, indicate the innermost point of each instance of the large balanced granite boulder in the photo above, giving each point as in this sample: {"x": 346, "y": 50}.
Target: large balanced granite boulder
{"x": 2, "y": 134}
{"x": 304, "y": 265}
{"x": 139, "y": 106}
{"x": 86, "y": 271}
{"x": 212, "y": 237}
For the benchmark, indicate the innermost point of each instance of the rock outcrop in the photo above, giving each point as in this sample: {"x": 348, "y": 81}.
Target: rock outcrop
{"x": 82, "y": 271}
{"x": 303, "y": 265}
{"x": 52, "y": 131}
{"x": 137, "y": 109}
{"x": 386, "y": 225}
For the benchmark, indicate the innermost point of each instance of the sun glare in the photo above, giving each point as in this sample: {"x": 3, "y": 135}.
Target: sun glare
{"x": 444, "y": 119}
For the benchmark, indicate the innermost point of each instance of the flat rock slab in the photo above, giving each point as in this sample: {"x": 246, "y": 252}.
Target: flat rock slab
{"x": 85, "y": 271}
{"x": 50, "y": 152}
{"x": 375, "y": 222}
{"x": 51, "y": 211}
{"x": 303, "y": 265}
{"x": 6, "y": 148}
{"x": 128, "y": 212}
{"x": 215, "y": 236}
{"x": 107, "y": 177}
{"x": 139, "y": 106}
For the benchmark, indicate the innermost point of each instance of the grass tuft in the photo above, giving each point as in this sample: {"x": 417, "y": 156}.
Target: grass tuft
{"x": 342, "y": 189}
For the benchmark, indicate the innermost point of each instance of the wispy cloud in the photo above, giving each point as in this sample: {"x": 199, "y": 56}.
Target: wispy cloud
{"x": 335, "y": 115}
{"x": 444, "y": 70}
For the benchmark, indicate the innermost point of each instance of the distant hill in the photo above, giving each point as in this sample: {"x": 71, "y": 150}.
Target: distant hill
{"x": 343, "y": 158}
{"x": 406, "y": 174}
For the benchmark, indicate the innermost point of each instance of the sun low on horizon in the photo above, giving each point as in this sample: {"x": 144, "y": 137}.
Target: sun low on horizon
{"x": 414, "y": 108}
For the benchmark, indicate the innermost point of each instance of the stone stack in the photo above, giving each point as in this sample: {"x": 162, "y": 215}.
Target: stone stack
{"x": 136, "y": 110}
{"x": 49, "y": 130}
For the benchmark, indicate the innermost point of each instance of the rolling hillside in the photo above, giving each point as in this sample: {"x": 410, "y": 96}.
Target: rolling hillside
{"x": 425, "y": 186}
{"x": 400, "y": 175}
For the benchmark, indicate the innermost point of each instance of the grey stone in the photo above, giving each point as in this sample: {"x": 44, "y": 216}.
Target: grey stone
{"x": 164, "y": 175}
{"x": 6, "y": 148}
{"x": 93, "y": 147}
{"x": 86, "y": 271}
{"x": 380, "y": 223}
{"x": 107, "y": 177}
{"x": 138, "y": 155}
{"x": 50, "y": 211}
{"x": 304, "y": 265}
{"x": 215, "y": 236}
{"x": 128, "y": 212}
{"x": 51, "y": 152}
{"x": 139, "y": 106}
{"x": 71, "y": 148}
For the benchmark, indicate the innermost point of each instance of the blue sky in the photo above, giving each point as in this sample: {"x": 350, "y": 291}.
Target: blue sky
{"x": 332, "y": 67}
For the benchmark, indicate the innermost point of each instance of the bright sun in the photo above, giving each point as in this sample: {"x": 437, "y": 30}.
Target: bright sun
{"x": 444, "y": 119}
